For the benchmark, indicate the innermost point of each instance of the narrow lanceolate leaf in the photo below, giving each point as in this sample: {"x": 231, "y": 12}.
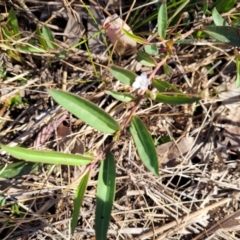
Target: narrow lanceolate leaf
{"x": 225, "y": 34}
{"x": 41, "y": 38}
{"x": 177, "y": 11}
{"x": 105, "y": 196}
{"x": 175, "y": 99}
{"x": 47, "y": 34}
{"x": 163, "y": 86}
{"x": 124, "y": 97}
{"x": 224, "y": 6}
{"x": 144, "y": 144}
{"x": 123, "y": 75}
{"x": 135, "y": 38}
{"x": 238, "y": 72}
{"x": 17, "y": 169}
{"x": 162, "y": 20}
{"x": 86, "y": 111}
{"x": 167, "y": 69}
{"x": 145, "y": 59}
{"x": 13, "y": 21}
{"x": 78, "y": 200}
{"x": 47, "y": 157}
{"x": 32, "y": 49}
{"x": 218, "y": 19}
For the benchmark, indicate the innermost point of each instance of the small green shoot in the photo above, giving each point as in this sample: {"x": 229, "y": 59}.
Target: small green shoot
{"x": 79, "y": 195}
{"x": 105, "y": 196}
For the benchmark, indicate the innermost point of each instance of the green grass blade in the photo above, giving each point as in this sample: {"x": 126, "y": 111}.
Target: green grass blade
{"x": 41, "y": 39}
{"x": 224, "y": 6}
{"x": 48, "y": 37}
{"x": 105, "y": 196}
{"x": 162, "y": 20}
{"x": 86, "y": 111}
{"x": 12, "y": 18}
{"x": 180, "y": 8}
{"x": 124, "y": 97}
{"x": 78, "y": 200}
{"x": 31, "y": 49}
{"x": 123, "y": 75}
{"x": 143, "y": 21}
{"x": 46, "y": 156}
{"x": 144, "y": 144}
{"x": 176, "y": 99}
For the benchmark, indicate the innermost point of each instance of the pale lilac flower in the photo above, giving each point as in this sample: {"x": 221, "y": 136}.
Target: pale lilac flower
{"x": 141, "y": 82}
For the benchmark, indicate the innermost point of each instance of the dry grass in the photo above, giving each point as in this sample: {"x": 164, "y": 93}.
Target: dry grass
{"x": 197, "y": 193}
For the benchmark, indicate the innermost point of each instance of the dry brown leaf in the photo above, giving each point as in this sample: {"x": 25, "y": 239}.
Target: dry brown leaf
{"x": 169, "y": 152}
{"x": 95, "y": 43}
{"x": 123, "y": 44}
{"x": 46, "y": 132}
{"x": 66, "y": 141}
{"x": 230, "y": 95}
{"x": 74, "y": 29}
{"x": 232, "y": 135}
{"x": 229, "y": 223}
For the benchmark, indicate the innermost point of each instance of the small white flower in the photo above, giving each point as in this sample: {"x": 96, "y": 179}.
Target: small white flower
{"x": 141, "y": 82}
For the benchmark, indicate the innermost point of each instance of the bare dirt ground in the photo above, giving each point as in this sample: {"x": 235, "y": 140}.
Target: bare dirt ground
{"x": 196, "y": 195}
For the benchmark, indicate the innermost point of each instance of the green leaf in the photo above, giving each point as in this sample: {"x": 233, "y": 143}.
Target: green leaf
{"x": 238, "y": 72}
{"x": 62, "y": 54}
{"x": 218, "y": 19}
{"x": 145, "y": 59}
{"x": 17, "y": 169}
{"x": 3, "y": 200}
{"x": 78, "y": 200}
{"x": 86, "y": 111}
{"x": 224, "y": 6}
{"x": 31, "y": 49}
{"x": 135, "y": 38}
{"x": 15, "y": 209}
{"x": 167, "y": 69}
{"x": 177, "y": 11}
{"x": 151, "y": 49}
{"x": 105, "y": 196}
{"x": 6, "y": 33}
{"x": 123, "y": 75}
{"x": 163, "y": 86}
{"x": 144, "y": 144}
{"x": 162, "y": 20}
{"x": 176, "y": 99}
{"x": 48, "y": 37}
{"x": 225, "y": 34}
{"x": 41, "y": 39}
{"x": 46, "y": 156}
{"x": 124, "y": 97}
{"x": 205, "y": 8}
{"x": 14, "y": 22}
